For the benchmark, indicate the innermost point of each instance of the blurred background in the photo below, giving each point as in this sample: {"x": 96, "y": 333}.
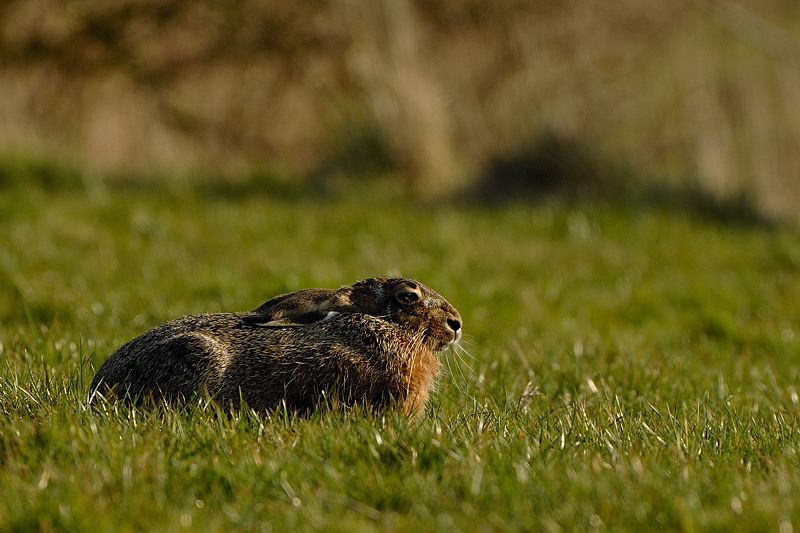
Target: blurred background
{"x": 443, "y": 96}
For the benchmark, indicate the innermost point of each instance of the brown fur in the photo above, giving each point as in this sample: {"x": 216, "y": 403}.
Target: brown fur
{"x": 369, "y": 343}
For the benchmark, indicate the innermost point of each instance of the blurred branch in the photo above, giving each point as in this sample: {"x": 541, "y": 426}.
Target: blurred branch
{"x": 754, "y": 30}
{"x": 139, "y": 37}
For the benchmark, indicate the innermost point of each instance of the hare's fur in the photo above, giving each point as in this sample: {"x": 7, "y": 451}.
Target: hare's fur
{"x": 370, "y": 343}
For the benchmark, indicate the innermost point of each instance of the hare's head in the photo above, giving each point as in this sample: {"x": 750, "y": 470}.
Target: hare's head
{"x": 414, "y": 307}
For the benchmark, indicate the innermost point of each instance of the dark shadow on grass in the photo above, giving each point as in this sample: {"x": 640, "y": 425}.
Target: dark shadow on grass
{"x": 52, "y": 175}
{"x": 738, "y": 210}
{"x": 257, "y": 183}
{"x": 550, "y": 167}
{"x": 558, "y": 169}
{"x": 25, "y": 170}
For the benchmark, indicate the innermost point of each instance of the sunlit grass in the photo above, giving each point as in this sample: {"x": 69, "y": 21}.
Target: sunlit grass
{"x": 622, "y": 368}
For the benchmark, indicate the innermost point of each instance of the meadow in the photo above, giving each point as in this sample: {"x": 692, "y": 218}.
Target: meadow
{"x": 626, "y": 366}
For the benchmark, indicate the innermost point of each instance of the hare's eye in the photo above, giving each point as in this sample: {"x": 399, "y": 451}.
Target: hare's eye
{"x": 407, "y": 297}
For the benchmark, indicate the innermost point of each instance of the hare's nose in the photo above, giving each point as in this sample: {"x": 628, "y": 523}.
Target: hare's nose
{"x": 454, "y": 324}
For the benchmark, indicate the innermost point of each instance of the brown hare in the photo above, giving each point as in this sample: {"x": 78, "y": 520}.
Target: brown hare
{"x": 369, "y": 343}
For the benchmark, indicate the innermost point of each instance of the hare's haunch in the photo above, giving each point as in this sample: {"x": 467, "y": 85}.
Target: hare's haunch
{"x": 369, "y": 343}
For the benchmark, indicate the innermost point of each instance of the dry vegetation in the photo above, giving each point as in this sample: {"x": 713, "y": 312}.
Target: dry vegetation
{"x": 705, "y": 93}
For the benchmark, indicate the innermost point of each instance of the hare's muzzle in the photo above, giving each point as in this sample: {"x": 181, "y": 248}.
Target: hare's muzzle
{"x": 454, "y": 325}
{"x": 450, "y": 332}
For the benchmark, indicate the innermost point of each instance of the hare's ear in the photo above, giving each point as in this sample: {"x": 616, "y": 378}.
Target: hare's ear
{"x": 299, "y": 308}
{"x": 287, "y": 318}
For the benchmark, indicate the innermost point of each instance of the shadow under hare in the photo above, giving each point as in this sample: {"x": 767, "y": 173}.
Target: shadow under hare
{"x": 369, "y": 343}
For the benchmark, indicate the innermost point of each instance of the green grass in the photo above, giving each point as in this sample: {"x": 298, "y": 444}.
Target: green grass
{"x": 623, "y": 368}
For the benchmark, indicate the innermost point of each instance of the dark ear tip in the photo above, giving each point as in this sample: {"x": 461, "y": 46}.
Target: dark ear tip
{"x": 252, "y": 318}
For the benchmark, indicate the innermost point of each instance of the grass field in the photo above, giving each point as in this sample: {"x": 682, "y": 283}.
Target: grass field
{"x": 624, "y": 367}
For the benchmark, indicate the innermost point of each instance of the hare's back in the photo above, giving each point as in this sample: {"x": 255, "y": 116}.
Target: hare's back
{"x": 171, "y": 360}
